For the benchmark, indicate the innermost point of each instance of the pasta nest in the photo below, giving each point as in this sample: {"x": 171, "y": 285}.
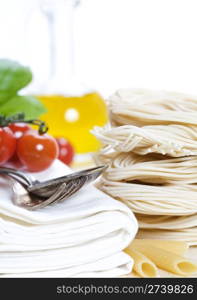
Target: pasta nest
{"x": 150, "y": 147}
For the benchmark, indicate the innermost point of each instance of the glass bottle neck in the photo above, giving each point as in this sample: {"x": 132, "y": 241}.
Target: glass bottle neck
{"x": 60, "y": 16}
{"x": 60, "y": 19}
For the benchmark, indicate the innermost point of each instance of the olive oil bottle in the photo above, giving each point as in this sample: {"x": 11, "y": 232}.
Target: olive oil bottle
{"x": 72, "y": 109}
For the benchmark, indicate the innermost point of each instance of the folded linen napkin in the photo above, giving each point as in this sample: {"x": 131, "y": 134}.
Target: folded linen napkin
{"x": 82, "y": 236}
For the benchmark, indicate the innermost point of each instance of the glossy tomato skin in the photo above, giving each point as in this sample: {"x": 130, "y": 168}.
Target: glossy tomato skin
{"x": 7, "y": 144}
{"x": 37, "y": 152}
{"x": 66, "y": 150}
{"x": 18, "y": 130}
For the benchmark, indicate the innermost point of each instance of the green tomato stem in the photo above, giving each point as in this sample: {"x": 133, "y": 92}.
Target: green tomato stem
{"x": 20, "y": 118}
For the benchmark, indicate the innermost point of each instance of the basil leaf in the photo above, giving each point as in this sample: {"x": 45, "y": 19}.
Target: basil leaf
{"x": 29, "y": 105}
{"x": 13, "y": 77}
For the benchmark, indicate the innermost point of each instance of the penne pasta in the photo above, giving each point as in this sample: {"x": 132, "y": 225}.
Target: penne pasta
{"x": 177, "y": 247}
{"x": 167, "y": 260}
{"x": 142, "y": 265}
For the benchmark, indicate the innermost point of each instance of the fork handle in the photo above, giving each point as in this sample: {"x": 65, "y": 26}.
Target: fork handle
{"x": 17, "y": 175}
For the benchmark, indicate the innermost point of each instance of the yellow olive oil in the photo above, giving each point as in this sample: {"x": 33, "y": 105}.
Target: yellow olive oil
{"x": 74, "y": 117}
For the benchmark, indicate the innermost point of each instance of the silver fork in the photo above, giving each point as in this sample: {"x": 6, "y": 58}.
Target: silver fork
{"x": 33, "y": 194}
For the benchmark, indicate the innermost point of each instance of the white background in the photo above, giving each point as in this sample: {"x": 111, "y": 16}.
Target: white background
{"x": 120, "y": 43}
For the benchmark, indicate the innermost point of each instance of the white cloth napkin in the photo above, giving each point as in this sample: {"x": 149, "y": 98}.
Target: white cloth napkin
{"x": 82, "y": 236}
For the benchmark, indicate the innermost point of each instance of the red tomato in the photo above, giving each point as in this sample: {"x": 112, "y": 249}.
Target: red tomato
{"x": 7, "y": 144}
{"x": 19, "y": 129}
{"x": 66, "y": 151}
{"x": 37, "y": 152}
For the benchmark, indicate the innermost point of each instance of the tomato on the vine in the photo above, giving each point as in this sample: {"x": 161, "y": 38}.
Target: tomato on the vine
{"x": 7, "y": 144}
{"x": 19, "y": 129}
{"x": 66, "y": 150}
{"x": 37, "y": 151}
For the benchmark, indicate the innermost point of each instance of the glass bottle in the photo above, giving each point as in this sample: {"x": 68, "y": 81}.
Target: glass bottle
{"x": 73, "y": 110}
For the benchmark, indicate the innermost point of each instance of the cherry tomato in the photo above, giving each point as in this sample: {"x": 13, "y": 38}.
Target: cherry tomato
{"x": 66, "y": 151}
{"x": 7, "y": 144}
{"x": 37, "y": 152}
{"x": 19, "y": 129}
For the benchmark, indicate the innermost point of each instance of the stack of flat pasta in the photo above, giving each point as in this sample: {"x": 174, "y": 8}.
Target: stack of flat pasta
{"x": 151, "y": 150}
